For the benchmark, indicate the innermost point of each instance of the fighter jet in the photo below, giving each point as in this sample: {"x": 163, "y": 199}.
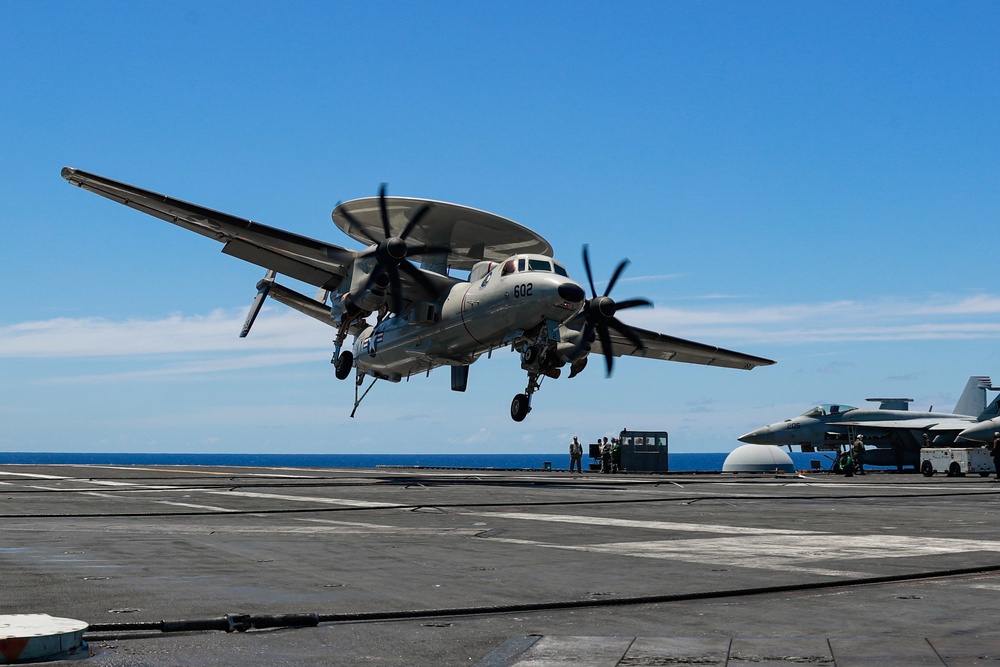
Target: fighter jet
{"x": 892, "y": 433}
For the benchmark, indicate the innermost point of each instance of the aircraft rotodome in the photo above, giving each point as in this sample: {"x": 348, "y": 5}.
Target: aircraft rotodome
{"x": 407, "y": 319}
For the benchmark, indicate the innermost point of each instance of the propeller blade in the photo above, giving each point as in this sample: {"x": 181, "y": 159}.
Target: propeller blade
{"x": 632, "y": 303}
{"x": 415, "y": 220}
{"x": 418, "y": 275}
{"x": 602, "y": 333}
{"x": 586, "y": 266}
{"x": 395, "y": 289}
{"x": 425, "y": 249}
{"x": 384, "y": 211}
{"x": 626, "y": 331}
{"x": 357, "y": 225}
{"x": 615, "y": 275}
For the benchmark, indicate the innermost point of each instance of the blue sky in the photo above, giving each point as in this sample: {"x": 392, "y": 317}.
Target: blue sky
{"x": 818, "y": 183}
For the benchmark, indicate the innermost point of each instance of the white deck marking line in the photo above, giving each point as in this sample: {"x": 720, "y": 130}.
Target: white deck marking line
{"x": 777, "y": 549}
{"x": 27, "y": 474}
{"x": 705, "y": 559}
{"x": 197, "y": 507}
{"x": 243, "y": 494}
{"x": 304, "y": 499}
{"x": 194, "y": 471}
{"x": 636, "y": 523}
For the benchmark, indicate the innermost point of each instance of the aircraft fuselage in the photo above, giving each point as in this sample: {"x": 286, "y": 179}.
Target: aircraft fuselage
{"x": 472, "y": 318}
{"x": 813, "y": 431}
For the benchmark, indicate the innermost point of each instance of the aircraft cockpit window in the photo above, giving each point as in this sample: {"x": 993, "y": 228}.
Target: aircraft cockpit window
{"x": 509, "y": 266}
{"x": 560, "y": 269}
{"x": 539, "y": 265}
{"x": 520, "y": 265}
{"x": 828, "y": 409}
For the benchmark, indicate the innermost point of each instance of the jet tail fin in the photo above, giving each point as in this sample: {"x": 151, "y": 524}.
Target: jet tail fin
{"x": 972, "y": 402}
{"x": 992, "y": 410}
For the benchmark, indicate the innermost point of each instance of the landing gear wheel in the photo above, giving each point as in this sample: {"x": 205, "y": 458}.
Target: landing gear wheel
{"x": 342, "y": 367}
{"x": 530, "y": 355}
{"x": 519, "y": 407}
{"x": 927, "y": 469}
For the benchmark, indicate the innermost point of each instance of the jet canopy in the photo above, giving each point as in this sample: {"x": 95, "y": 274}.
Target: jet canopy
{"x": 828, "y": 409}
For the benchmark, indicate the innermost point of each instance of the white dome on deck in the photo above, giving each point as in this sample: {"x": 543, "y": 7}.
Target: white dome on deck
{"x": 758, "y": 458}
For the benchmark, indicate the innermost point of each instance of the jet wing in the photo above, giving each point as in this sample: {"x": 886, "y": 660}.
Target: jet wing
{"x": 670, "y": 348}
{"x": 311, "y": 261}
{"x": 921, "y": 424}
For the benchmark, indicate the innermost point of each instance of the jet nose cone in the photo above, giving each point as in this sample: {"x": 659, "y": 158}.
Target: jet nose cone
{"x": 980, "y": 432}
{"x": 571, "y": 292}
{"x": 756, "y": 437}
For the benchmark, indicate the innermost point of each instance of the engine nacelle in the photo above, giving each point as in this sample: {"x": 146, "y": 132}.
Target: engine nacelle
{"x": 372, "y": 298}
{"x": 358, "y": 294}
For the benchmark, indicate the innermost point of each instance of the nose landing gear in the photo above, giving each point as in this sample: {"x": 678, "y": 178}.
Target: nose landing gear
{"x": 342, "y": 365}
{"x": 521, "y": 405}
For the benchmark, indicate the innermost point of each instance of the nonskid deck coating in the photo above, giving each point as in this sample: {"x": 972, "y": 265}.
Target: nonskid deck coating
{"x": 112, "y": 545}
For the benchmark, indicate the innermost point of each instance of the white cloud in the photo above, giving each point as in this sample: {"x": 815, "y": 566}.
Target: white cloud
{"x": 279, "y": 332}
{"x": 940, "y": 317}
{"x": 217, "y": 331}
{"x": 185, "y": 368}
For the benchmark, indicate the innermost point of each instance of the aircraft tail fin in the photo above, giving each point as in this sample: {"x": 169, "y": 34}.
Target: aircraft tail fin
{"x": 972, "y": 402}
{"x": 992, "y": 410}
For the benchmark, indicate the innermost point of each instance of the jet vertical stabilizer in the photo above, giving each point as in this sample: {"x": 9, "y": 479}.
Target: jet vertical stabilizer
{"x": 992, "y": 410}
{"x": 972, "y": 402}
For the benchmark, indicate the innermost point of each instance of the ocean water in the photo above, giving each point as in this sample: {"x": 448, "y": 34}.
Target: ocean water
{"x": 682, "y": 462}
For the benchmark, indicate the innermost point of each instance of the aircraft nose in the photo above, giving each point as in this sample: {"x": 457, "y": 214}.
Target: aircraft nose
{"x": 982, "y": 432}
{"x": 756, "y": 437}
{"x": 571, "y": 292}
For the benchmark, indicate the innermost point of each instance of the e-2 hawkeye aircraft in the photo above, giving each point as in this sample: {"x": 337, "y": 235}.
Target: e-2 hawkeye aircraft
{"x": 829, "y": 427}
{"x": 516, "y": 295}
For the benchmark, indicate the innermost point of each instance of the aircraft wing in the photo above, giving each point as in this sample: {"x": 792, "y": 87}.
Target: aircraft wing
{"x": 921, "y": 424}
{"x": 670, "y": 348}
{"x": 311, "y": 261}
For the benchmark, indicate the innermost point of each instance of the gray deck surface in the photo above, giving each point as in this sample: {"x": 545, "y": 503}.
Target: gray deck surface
{"x": 621, "y": 570}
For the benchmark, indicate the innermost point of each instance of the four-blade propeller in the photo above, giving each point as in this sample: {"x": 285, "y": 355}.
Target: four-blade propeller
{"x": 392, "y": 251}
{"x": 599, "y": 313}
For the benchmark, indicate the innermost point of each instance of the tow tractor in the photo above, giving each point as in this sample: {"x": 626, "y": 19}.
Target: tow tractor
{"x": 956, "y": 461}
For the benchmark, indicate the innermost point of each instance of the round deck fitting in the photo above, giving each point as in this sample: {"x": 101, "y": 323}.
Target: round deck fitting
{"x": 38, "y": 637}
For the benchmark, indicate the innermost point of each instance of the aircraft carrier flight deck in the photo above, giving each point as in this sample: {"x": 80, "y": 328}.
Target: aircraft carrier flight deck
{"x": 190, "y": 565}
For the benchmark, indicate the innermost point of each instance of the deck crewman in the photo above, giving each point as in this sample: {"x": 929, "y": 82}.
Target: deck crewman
{"x": 576, "y": 455}
{"x": 995, "y": 449}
